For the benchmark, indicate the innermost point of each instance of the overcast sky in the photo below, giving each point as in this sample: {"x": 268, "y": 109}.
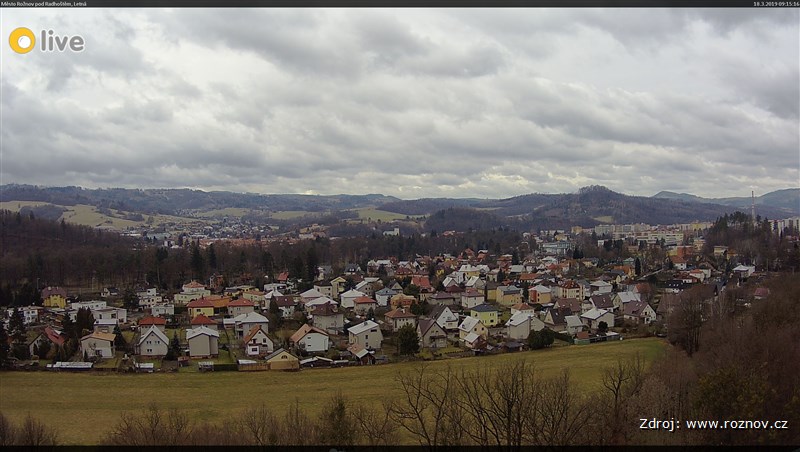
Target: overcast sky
{"x": 411, "y": 103}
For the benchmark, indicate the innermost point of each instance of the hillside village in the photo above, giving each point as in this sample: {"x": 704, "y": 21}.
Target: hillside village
{"x": 431, "y": 307}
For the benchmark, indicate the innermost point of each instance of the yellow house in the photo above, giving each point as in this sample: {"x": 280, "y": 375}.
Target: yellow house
{"x": 201, "y": 306}
{"x": 54, "y": 297}
{"x": 487, "y": 314}
{"x": 508, "y": 295}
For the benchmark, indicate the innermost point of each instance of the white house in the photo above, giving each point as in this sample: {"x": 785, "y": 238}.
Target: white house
{"x": 153, "y": 342}
{"x": 256, "y": 342}
{"x": 520, "y": 325}
{"x": 472, "y": 325}
{"x": 594, "y": 316}
{"x": 243, "y": 323}
{"x": 366, "y": 334}
{"x": 98, "y": 344}
{"x": 348, "y": 298}
{"x": 639, "y": 312}
{"x": 311, "y": 339}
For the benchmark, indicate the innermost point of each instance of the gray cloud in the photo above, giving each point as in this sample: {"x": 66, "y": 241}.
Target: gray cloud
{"x": 410, "y": 103}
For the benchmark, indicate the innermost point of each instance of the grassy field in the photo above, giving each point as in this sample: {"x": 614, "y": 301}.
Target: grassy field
{"x": 375, "y": 214}
{"x": 237, "y": 212}
{"x": 605, "y": 219}
{"x": 71, "y": 402}
{"x": 89, "y": 216}
{"x": 289, "y": 214}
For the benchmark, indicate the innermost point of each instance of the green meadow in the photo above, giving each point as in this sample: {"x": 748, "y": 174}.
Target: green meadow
{"x": 84, "y": 406}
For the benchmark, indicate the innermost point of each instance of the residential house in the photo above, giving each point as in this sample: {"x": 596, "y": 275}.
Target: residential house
{"x": 105, "y": 325}
{"x": 443, "y": 299}
{"x": 309, "y": 295}
{"x": 604, "y": 301}
{"x": 573, "y": 324}
{"x": 152, "y": 342}
{"x": 190, "y": 292}
{"x": 471, "y": 298}
{"x": 401, "y": 300}
{"x": 150, "y": 321}
{"x": 203, "y": 342}
{"x": 384, "y": 295}
{"x": 555, "y": 319}
{"x": 200, "y": 306}
{"x": 594, "y": 316}
{"x": 98, "y": 344}
{"x": 240, "y": 306}
{"x": 474, "y": 341}
{"x": 368, "y": 286}
{"x": 361, "y": 354}
{"x": 311, "y": 304}
{"x": 445, "y": 317}
{"x": 508, "y": 295}
{"x": 431, "y": 334}
{"x": 244, "y": 322}
{"x": 522, "y": 307}
{"x": 287, "y": 305}
{"x": 620, "y": 298}
{"x": 639, "y": 312}
{"x": 282, "y": 360}
{"x": 163, "y": 309}
{"x": 118, "y": 314}
{"x": 110, "y": 292}
{"x": 257, "y": 343}
{"x": 568, "y": 289}
{"x": 326, "y": 289}
{"x": 54, "y": 297}
{"x": 487, "y": 314}
{"x": 520, "y": 325}
{"x": 347, "y": 299}
{"x": 572, "y": 304}
{"x": 202, "y": 320}
{"x": 253, "y": 295}
{"x": 362, "y": 305}
{"x": 398, "y": 318}
{"x": 472, "y": 325}
{"x": 338, "y": 285}
{"x": 327, "y": 317}
{"x": 367, "y": 334}
{"x": 600, "y": 287}
{"x": 540, "y": 294}
{"x": 311, "y": 339}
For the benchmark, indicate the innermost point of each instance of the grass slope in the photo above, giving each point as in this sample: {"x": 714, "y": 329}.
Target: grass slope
{"x": 83, "y": 407}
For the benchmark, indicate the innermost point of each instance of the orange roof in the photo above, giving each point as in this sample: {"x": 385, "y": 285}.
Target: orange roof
{"x": 305, "y": 329}
{"x": 240, "y": 302}
{"x": 253, "y": 331}
{"x": 193, "y": 285}
{"x": 200, "y": 303}
{"x": 364, "y": 300}
{"x": 150, "y": 320}
{"x": 399, "y": 314}
{"x": 202, "y": 320}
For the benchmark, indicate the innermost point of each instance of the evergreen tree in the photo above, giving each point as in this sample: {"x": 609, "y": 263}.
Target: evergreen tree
{"x": 18, "y": 333}
{"x": 407, "y": 340}
{"x": 5, "y": 350}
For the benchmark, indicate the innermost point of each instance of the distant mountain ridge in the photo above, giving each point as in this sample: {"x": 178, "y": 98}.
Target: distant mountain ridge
{"x": 788, "y": 199}
{"x": 588, "y": 207}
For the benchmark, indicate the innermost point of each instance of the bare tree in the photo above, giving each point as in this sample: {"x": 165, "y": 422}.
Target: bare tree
{"x": 499, "y": 404}
{"x": 375, "y": 427}
{"x": 622, "y": 381}
{"x": 428, "y": 409}
{"x": 561, "y": 415}
{"x": 35, "y": 433}
{"x": 262, "y": 427}
{"x": 8, "y": 432}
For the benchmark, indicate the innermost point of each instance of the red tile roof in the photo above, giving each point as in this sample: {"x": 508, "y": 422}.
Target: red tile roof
{"x": 150, "y": 320}
{"x": 202, "y": 320}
